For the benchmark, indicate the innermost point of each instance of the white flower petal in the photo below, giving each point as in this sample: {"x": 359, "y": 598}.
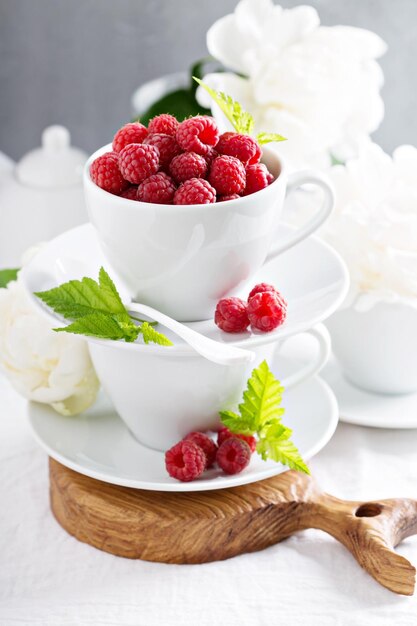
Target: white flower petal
{"x": 225, "y": 44}
{"x": 251, "y": 17}
{"x": 43, "y": 365}
{"x": 374, "y": 226}
{"x": 321, "y": 83}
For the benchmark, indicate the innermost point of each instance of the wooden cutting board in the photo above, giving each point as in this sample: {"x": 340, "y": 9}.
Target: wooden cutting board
{"x": 198, "y": 527}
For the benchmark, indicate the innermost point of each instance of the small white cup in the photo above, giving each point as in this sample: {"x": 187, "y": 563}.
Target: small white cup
{"x": 181, "y": 259}
{"x": 377, "y": 349}
{"x": 164, "y": 393}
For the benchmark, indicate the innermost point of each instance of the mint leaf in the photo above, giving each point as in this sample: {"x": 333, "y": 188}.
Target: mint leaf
{"x": 109, "y": 293}
{"x": 78, "y": 298}
{"x": 260, "y": 414}
{"x": 96, "y": 310}
{"x": 263, "y": 138}
{"x": 241, "y": 120}
{"x": 236, "y": 423}
{"x": 275, "y": 444}
{"x": 262, "y": 398}
{"x": 102, "y": 326}
{"x": 150, "y": 334}
{"x": 269, "y": 439}
{"x": 7, "y": 276}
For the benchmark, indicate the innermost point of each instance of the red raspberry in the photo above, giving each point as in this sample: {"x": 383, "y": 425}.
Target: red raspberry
{"x": 232, "y": 196}
{"x": 131, "y": 193}
{"x": 233, "y": 455}
{"x": 243, "y": 147}
{"x": 195, "y": 191}
{"x": 224, "y": 137}
{"x": 131, "y": 133}
{"x": 256, "y": 178}
{"x": 164, "y": 123}
{"x": 138, "y": 161}
{"x": 187, "y": 165}
{"x": 158, "y": 188}
{"x": 105, "y": 173}
{"x": 270, "y": 177}
{"x": 167, "y": 146}
{"x": 210, "y": 156}
{"x": 224, "y": 433}
{"x": 261, "y": 287}
{"x": 198, "y": 134}
{"x": 257, "y": 156}
{"x": 267, "y": 310}
{"x": 227, "y": 175}
{"x": 206, "y": 444}
{"x": 185, "y": 461}
{"x": 231, "y": 315}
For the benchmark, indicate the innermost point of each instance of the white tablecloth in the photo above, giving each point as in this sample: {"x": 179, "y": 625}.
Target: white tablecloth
{"x": 48, "y": 578}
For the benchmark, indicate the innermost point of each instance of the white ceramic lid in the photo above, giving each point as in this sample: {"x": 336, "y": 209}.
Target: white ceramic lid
{"x": 55, "y": 164}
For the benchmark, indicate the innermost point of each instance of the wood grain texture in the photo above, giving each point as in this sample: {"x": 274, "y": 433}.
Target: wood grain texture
{"x": 207, "y": 526}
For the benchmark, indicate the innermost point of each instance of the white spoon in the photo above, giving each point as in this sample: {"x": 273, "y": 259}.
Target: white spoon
{"x": 221, "y": 353}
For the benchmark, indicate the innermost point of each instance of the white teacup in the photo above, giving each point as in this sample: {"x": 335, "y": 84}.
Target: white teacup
{"x": 164, "y": 393}
{"x": 377, "y": 349}
{"x": 181, "y": 259}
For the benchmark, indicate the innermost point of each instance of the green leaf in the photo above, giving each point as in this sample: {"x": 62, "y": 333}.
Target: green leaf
{"x": 7, "y": 276}
{"x": 236, "y": 423}
{"x": 263, "y": 138}
{"x": 275, "y": 444}
{"x": 102, "y": 326}
{"x": 241, "y": 120}
{"x": 260, "y": 414}
{"x": 109, "y": 292}
{"x": 97, "y": 310}
{"x": 151, "y": 335}
{"x": 334, "y": 160}
{"x": 78, "y": 298}
{"x": 262, "y": 398}
{"x": 198, "y": 70}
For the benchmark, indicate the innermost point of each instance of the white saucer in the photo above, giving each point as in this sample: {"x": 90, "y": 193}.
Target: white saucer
{"x": 364, "y": 408}
{"x": 98, "y": 444}
{"x": 311, "y": 276}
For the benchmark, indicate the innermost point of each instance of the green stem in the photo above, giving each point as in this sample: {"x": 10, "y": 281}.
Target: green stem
{"x": 138, "y": 319}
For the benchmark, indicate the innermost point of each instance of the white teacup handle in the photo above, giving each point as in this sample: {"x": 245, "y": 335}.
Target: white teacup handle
{"x": 297, "y": 179}
{"x": 322, "y": 336}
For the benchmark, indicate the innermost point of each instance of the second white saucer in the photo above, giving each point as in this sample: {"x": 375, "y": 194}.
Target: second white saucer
{"x": 357, "y": 406}
{"x": 99, "y": 444}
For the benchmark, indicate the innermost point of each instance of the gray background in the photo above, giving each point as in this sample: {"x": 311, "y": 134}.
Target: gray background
{"x": 77, "y": 62}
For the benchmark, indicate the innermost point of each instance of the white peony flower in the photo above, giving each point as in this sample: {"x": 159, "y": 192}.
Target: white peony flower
{"x": 318, "y": 86}
{"x": 374, "y": 225}
{"x": 48, "y": 367}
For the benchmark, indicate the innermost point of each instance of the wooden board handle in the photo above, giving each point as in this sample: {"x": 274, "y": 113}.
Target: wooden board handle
{"x": 198, "y": 527}
{"x": 369, "y": 530}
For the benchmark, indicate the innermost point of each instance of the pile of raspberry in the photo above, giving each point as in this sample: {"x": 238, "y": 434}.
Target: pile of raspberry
{"x": 265, "y": 310}
{"x": 180, "y": 163}
{"x": 197, "y": 452}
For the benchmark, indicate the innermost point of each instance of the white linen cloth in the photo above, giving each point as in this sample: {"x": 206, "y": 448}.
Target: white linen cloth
{"x": 48, "y": 578}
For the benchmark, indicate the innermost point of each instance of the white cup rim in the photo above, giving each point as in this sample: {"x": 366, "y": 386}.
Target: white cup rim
{"x": 137, "y": 205}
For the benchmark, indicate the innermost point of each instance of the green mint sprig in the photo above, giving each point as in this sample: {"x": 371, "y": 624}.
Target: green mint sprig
{"x": 260, "y": 414}
{"x": 7, "y": 276}
{"x": 96, "y": 310}
{"x": 241, "y": 120}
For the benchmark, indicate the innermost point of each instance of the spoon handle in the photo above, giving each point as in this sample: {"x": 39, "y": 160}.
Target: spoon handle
{"x": 220, "y": 353}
